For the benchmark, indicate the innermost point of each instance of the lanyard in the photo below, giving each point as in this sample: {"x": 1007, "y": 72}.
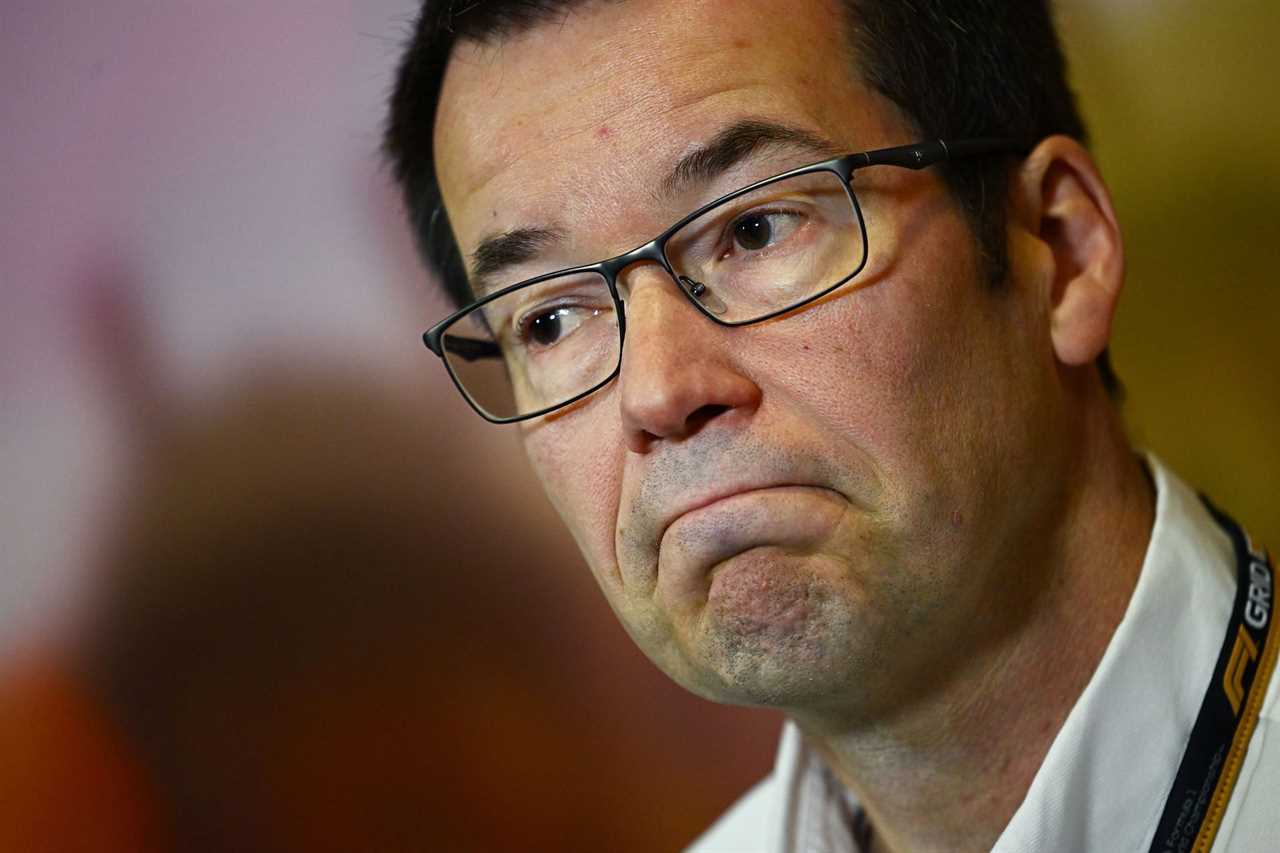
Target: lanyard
{"x": 1220, "y": 738}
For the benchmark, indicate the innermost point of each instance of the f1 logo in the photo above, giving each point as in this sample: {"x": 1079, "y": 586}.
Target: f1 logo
{"x": 1243, "y": 653}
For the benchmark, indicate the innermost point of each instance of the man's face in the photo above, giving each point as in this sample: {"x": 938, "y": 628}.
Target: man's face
{"x": 821, "y": 511}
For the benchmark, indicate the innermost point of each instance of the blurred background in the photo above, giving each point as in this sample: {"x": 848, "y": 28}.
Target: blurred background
{"x": 266, "y": 583}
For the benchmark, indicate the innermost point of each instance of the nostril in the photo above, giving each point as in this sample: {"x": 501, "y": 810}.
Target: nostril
{"x": 702, "y": 416}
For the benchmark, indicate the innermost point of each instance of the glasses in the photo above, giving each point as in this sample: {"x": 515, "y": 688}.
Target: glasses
{"x": 758, "y": 252}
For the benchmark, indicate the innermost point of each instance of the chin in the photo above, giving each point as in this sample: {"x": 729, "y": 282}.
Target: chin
{"x": 787, "y": 679}
{"x": 803, "y": 650}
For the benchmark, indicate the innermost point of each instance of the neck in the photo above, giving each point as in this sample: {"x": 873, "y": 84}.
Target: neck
{"x": 949, "y": 772}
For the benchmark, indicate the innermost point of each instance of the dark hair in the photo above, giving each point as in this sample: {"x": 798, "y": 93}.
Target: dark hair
{"x": 955, "y": 69}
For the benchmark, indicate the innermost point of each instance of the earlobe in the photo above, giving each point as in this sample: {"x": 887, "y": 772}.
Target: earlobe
{"x": 1070, "y": 210}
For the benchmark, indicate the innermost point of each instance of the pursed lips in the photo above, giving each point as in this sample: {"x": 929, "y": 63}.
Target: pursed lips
{"x": 725, "y": 493}
{"x": 795, "y": 518}
{"x": 669, "y": 487}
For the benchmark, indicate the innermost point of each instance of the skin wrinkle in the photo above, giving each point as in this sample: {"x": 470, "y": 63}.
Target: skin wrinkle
{"x": 501, "y": 156}
{"x": 649, "y": 193}
{"x": 700, "y": 168}
{"x": 505, "y": 156}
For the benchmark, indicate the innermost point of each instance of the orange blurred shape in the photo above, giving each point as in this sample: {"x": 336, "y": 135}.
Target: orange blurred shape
{"x": 67, "y": 781}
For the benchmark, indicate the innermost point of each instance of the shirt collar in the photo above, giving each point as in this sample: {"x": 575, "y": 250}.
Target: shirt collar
{"x": 1107, "y": 774}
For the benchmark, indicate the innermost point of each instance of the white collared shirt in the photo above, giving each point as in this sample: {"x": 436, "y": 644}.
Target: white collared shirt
{"x": 1103, "y": 784}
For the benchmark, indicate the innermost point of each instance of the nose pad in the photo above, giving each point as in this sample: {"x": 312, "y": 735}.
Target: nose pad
{"x": 703, "y": 295}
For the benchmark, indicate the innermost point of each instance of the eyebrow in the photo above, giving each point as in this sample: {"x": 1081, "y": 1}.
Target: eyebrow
{"x": 725, "y": 150}
{"x": 501, "y": 251}
{"x": 733, "y": 145}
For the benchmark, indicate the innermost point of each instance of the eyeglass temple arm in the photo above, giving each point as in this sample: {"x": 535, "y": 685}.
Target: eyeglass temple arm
{"x": 470, "y": 349}
{"x": 923, "y": 154}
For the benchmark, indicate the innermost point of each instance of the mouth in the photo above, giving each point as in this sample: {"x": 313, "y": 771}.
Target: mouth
{"x": 711, "y": 500}
{"x": 680, "y": 503}
{"x": 787, "y": 518}
{"x": 708, "y": 501}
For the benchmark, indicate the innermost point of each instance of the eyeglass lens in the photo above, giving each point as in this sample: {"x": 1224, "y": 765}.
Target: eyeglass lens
{"x": 747, "y": 258}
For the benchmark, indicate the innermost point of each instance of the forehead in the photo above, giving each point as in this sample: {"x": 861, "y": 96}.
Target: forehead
{"x": 568, "y": 117}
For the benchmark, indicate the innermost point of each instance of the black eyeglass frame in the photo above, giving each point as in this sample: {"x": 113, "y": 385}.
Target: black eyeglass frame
{"x": 916, "y": 156}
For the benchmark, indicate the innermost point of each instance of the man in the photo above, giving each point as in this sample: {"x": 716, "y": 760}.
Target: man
{"x": 840, "y": 442}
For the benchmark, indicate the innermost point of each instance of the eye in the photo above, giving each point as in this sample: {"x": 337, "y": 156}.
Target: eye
{"x": 548, "y": 326}
{"x": 760, "y": 229}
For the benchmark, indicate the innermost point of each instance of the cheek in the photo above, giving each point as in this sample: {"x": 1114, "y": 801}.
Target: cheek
{"x": 906, "y": 368}
{"x": 868, "y": 367}
{"x": 578, "y": 460}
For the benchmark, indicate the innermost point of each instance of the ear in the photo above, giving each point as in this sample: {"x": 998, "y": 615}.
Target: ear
{"x": 1064, "y": 203}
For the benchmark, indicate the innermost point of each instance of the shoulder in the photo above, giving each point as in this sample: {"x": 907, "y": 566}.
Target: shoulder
{"x": 747, "y": 826}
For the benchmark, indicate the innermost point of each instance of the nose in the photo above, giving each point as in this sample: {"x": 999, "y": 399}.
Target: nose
{"x": 677, "y": 375}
